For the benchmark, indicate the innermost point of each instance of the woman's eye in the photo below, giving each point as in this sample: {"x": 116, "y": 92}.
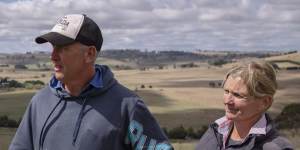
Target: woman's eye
{"x": 237, "y": 95}
{"x": 226, "y": 91}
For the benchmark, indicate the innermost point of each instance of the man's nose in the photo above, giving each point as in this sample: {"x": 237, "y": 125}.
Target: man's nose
{"x": 54, "y": 55}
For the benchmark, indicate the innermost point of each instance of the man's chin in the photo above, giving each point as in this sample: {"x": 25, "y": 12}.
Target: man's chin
{"x": 59, "y": 76}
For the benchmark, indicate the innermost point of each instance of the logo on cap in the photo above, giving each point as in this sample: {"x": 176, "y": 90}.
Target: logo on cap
{"x": 63, "y": 23}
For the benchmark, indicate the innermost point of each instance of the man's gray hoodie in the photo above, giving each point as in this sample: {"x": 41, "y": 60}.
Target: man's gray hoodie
{"x": 107, "y": 118}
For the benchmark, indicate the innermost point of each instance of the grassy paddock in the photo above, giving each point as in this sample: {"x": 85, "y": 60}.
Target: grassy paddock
{"x": 13, "y": 104}
{"x": 184, "y": 145}
{"x": 6, "y": 135}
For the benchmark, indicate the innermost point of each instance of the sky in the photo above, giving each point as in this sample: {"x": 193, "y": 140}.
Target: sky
{"x": 242, "y": 25}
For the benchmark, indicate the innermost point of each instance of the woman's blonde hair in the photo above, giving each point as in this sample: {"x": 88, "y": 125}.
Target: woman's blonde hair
{"x": 259, "y": 76}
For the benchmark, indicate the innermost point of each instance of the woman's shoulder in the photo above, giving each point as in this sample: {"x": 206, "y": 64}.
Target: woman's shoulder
{"x": 210, "y": 139}
{"x": 273, "y": 138}
{"x": 278, "y": 143}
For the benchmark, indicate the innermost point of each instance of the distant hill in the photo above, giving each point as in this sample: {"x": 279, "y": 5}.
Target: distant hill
{"x": 167, "y": 58}
{"x": 287, "y": 61}
{"x": 116, "y": 64}
{"x": 136, "y": 59}
{"x": 24, "y": 59}
{"x": 293, "y": 57}
{"x": 281, "y": 60}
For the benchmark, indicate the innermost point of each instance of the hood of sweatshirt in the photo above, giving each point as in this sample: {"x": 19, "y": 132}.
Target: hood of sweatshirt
{"x": 102, "y": 81}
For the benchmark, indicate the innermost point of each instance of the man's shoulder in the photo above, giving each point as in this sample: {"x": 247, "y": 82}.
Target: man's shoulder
{"x": 44, "y": 90}
{"x": 119, "y": 90}
{"x": 43, "y": 93}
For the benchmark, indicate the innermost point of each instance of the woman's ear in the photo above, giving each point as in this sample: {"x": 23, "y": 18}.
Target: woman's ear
{"x": 266, "y": 102}
{"x": 91, "y": 54}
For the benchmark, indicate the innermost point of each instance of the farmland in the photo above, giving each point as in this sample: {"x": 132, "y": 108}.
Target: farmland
{"x": 176, "y": 96}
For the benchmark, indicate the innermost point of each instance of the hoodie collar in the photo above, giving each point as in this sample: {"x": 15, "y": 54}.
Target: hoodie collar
{"x": 96, "y": 82}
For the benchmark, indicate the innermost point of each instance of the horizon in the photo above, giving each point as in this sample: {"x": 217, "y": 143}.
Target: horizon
{"x": 148, "y": 50}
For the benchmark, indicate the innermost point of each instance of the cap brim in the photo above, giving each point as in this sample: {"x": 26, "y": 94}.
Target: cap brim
{"x": 54, "y": 38}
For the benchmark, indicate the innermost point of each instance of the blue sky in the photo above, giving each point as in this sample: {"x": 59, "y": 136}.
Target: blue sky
{"x": 244, "y": 25}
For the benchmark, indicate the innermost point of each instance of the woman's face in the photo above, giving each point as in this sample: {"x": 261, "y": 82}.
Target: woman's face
{"x": 239, "y": 105}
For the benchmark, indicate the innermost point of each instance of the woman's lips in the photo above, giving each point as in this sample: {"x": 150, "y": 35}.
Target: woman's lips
{"x": 232, "y": 110}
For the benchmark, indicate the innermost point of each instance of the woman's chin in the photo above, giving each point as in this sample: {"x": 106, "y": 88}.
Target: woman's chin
{"x": 230, "y": 116}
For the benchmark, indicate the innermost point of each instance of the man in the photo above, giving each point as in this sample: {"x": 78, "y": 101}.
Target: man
{"x": 84, "y": 107}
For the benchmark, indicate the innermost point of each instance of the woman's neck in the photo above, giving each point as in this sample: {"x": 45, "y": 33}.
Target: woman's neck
{"x": 241, "y": 128}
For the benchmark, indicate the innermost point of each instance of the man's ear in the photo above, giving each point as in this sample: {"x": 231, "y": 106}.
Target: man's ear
{"x": 91, "y": 54}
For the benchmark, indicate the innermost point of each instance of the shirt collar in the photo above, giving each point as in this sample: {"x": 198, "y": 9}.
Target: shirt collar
{"x": 260, "y": 126}
{"x": 97, "y": 81}
{"x": 225, "y": 125}
{"x": 56, "y": 84}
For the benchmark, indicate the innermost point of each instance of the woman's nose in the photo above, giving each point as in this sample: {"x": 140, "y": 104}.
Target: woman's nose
{"x": 228, "y": 98}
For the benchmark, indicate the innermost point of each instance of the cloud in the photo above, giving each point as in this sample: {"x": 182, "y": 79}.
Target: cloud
{"x": 160, "y": 25}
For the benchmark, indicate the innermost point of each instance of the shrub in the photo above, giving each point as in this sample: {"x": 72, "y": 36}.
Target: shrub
{"x": 201, "y": 131}
{"x": 178, "y": 133}
{"x": 35, "y": 82}
{"x": 20, "y": 66}
{"x": 3, "y": 119}
{"x": 165, "y": 130}
{"x": 188, "y": 65}
{"x": 122, "y": 67}
{"x": 219, "y": 84}
{"x": 160, "y": 67}
{"x": 182, "y": 133}
{"x": 12, "y": 123}
{"x": 191, "y": 134}
{"x": 218, "y": 62}
{"x": 289, "y": 118}
{"x": 6, "y": 122}
{"x": 15, "y": 84}
{"x": 212, "y": 84}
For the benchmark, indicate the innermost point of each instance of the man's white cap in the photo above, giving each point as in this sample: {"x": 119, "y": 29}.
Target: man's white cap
{"x": 71, "y": 28}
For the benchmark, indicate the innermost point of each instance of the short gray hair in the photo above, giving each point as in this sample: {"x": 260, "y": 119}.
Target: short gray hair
{"x": 85, "y": 47}
{"x": 259, "y": 76}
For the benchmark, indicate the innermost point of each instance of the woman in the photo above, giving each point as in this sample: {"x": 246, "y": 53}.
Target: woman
{"x": 248, "y": 93}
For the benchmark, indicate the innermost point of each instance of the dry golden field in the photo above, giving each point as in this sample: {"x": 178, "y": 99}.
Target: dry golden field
{"x": 188, "y": 90}
{"x": 293, "y": 57}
